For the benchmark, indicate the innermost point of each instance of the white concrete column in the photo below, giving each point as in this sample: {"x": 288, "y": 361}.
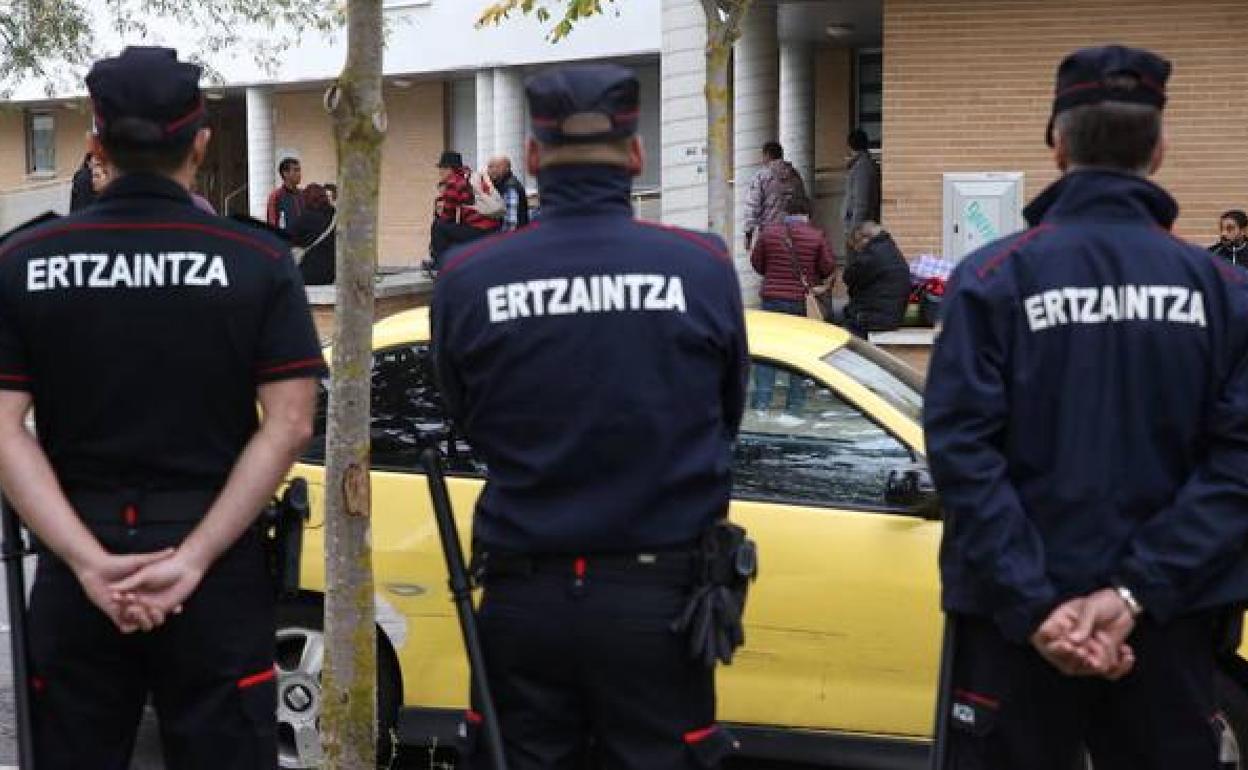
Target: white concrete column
{"x": 485, "y": 115}
{"x": 797, "y": 109}
{"x": 756, "y": 118}
{"x": 261, "y": 171}
{"x": 509, "y": 130}
{"x": 684, "y": 130}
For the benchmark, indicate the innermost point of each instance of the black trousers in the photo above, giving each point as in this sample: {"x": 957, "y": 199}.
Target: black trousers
{"x": 1014, "y": 711}
{"x": 209, "y": 671}
{"x": 445, "y": 235}
{"x": 587, "y": 673}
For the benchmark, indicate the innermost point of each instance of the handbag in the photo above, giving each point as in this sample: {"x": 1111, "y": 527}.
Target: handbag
{"x": 814, "y": 308}
{"x": 299, "y": 252}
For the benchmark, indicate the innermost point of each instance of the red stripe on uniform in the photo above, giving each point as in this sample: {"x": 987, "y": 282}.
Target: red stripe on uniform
{"x": 704, "y": 243}
{"x": 162, "y": 226}
{"x": 697, "y": 736}
{"x": 293, "y": 365}
{"x": 468, "y": 251}
{"x": 995, "y": 261}
{"x": 14, "y": 378}
{"x": 976, "y": 698}
{"x": 255, "y": 679}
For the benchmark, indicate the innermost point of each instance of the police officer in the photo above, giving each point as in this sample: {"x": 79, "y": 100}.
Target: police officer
{"x": 144, "y": 331}
{"x": 1087, "y": 424}
{"x": 598, "y": 365}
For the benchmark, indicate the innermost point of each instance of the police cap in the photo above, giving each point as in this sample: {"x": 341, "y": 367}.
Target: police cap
{"x": 582, "y": 104}
{"x": 151, "y": 85}
{"x": 1113, "y": 73}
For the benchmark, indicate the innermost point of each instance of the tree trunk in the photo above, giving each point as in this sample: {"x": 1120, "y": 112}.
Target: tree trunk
{"x": 723, "y": 27}
{"x": 719, "y": 150}
{"x": 349, "y": 717}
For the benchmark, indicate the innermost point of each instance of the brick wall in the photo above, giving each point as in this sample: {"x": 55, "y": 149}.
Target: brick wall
{"x": 968, "y": 84}
{"x": 414, "y": 140}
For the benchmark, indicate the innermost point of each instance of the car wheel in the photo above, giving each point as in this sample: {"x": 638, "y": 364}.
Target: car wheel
{"x": 300, "y": 659}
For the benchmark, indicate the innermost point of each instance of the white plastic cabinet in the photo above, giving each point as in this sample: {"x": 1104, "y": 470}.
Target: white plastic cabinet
{"x": 979, "y": 209}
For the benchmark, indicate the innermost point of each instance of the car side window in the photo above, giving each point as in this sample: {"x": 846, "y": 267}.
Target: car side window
{"x": 802, "y": 444}
{"x": 407, "y": 415}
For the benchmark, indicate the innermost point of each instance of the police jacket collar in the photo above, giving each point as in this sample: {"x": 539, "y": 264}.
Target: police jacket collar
{"x": 144, "y": 185}
{"x": 585, "y": 190}
{"x": 1099, "y": 194}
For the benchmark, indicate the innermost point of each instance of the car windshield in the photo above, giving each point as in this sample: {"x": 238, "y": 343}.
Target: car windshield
{"x": 882, "y": 374}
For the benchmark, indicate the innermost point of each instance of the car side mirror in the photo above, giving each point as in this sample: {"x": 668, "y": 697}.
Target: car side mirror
{"x": 912, "y": 488}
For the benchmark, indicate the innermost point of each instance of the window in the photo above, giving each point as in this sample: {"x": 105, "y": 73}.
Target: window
{"x": 40, "y": 143}
{"x": 870, "y": 94}
{"x": 407, "y": 416}
{"x": 802, "y": 444}
{"x": 881, "y": 374}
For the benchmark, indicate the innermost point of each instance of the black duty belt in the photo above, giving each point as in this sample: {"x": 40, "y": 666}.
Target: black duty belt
{"x": 134, "y": 508}
{"x": 665, "y": 566}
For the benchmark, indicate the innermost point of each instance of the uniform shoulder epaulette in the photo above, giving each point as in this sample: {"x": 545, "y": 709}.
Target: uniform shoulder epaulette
{"x": 46, "y": 216}
{"x": 259, "y": 224}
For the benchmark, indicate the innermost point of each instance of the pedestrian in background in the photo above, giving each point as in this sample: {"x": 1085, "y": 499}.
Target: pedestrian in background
{"x": 82, "y": 189}
{"x": 515, "y": 197}
{"x": 315, "y": 234}
{"x": 285, "y": 204}
{"x": 862, "y": 184}
{"x": 99, "y": 178}
{"x": 877, "y": 278}
{"x": 1233, "y": 244}
{"x": 775, "y": 185}
{"x": 793, "y": 258}
{"x": 455, "y": 221}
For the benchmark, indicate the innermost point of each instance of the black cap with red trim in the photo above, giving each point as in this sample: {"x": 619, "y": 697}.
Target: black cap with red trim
{"x": 583, "y": 104}
{"x": 148, "y": 84}
{"x": 1113, "y": 73}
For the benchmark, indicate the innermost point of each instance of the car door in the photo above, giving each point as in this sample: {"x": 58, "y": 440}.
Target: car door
{"x": 843, "y": 622}
{"x": 406, "y": 416}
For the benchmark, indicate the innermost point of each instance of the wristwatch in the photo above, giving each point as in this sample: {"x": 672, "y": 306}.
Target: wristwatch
{"x": 1133, "y": 605}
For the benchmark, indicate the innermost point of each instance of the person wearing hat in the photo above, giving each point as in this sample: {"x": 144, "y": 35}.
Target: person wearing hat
{"x": 455, "y": 220}
{"x": 1086, "y": 423}
{"x": 598, "y": 364}
{"x": 144, "y": 332}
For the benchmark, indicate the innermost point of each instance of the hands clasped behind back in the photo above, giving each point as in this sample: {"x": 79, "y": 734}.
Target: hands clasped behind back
{"x": 1086, "y": 636}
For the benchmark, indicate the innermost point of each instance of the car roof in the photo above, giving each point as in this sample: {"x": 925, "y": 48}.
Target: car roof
{"x": 770, "y": 333}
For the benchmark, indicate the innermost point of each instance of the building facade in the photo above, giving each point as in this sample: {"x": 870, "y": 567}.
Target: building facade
{"x": 943, "y": 87}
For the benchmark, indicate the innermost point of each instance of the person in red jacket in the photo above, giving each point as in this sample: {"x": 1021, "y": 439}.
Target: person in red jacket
{"x": 455, "y": 220}
{"x": 790, "y": 255}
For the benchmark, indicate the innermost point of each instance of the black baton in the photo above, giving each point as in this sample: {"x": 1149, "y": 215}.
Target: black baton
{"x": 944, "y": 695}
{"x": 13, "y": 551}
{"x": 461, "y": 593}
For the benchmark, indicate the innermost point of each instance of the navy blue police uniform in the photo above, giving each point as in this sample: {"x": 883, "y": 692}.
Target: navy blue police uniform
{"x": 598, "y": 365}
{"x": 142, "y": 328}
{"x": 1087, "y": 424}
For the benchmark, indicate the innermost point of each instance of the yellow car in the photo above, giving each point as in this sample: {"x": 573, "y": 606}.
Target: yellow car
{"x": 843, "y": 626}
